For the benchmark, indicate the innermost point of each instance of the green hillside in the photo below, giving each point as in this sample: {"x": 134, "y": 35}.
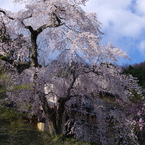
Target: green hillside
{"x": 14, "y": 130}
{"x": 138, "y": 71}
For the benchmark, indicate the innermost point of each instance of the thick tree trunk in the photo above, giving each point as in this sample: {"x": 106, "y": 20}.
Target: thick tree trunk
{"x": 59, "y": 116}
{"x": 55, "y": 123}
{"x": 49, "y": 114}
{"x": 33, "y": 50}
{"x": 53, "y": 115}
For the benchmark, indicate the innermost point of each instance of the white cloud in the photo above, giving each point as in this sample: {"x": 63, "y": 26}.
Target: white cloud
{"x": 140, "y": 7}
{"x": 142, "y": 46}
{"x": 125, "y": 22}
{"x": 8, "y": 5}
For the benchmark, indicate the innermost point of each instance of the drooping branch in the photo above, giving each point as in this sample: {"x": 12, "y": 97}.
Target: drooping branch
{"x": 2, "y": 11}
{"x": 70, "y": 88}
{"x": 68, "y": 93}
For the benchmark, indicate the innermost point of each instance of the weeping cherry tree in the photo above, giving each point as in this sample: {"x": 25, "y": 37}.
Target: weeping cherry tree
{"x": 59, "y": 29}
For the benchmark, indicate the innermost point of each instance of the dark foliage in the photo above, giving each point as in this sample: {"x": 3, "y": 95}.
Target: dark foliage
{"x": 138, "y": 71}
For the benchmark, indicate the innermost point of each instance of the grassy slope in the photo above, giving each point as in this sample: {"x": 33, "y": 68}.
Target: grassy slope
{"x": 14, "y": 131}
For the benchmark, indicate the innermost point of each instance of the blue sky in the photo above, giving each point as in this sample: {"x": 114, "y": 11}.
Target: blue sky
{"x": 123, "y": 24}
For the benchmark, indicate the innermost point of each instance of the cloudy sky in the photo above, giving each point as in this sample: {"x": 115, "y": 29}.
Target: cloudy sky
{"x": 123, "y": 24}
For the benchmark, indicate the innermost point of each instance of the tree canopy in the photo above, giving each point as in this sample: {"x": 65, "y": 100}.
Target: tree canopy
{"x": 50, "y": 26}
